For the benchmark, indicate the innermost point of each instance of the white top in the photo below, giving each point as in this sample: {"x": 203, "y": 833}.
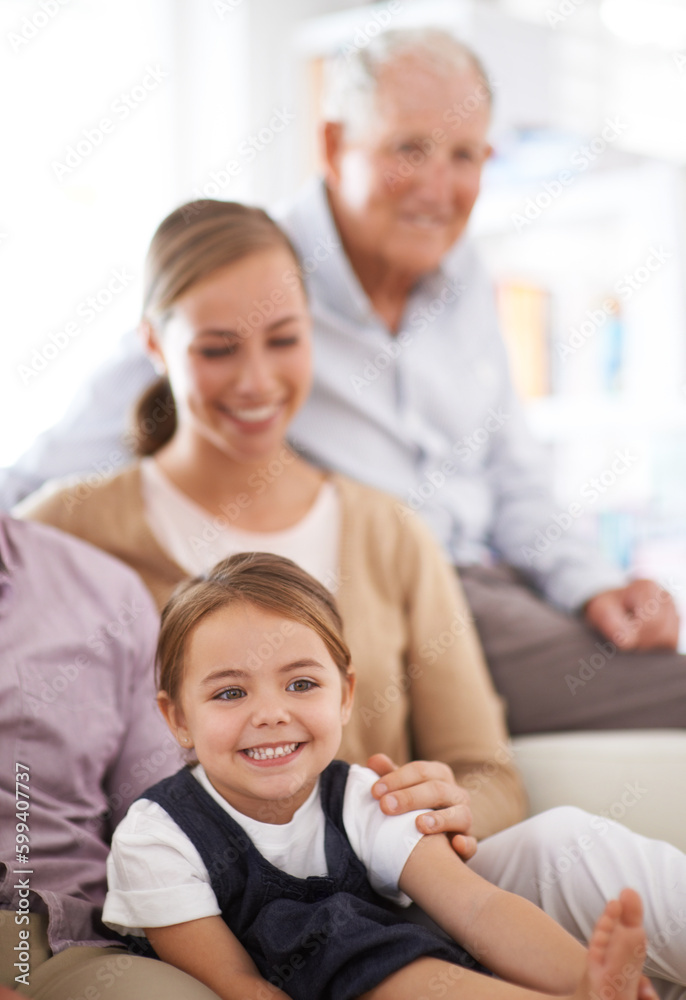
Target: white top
{"x": 197, "y": 540}
{"x": 156, "y": 876}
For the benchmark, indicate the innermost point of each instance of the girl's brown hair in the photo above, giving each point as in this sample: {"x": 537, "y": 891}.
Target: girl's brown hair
{"x": 192, "y": 243}
{"x": 265, "y": 581}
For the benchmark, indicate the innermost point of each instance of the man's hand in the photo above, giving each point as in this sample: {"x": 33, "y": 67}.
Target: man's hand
{"x": 426, "y": 784}
{"x": 639, "y": 616}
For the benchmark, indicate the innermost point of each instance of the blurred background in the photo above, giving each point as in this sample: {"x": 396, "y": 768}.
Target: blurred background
{"x": 115, "y": 111}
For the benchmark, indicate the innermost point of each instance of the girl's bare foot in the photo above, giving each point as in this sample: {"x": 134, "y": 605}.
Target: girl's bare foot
{"x": 616, "y": 952}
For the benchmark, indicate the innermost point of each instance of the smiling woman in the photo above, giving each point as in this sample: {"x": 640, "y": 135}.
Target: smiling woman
{"x": 225, "y": 321}
{"x": 237, "y": 389}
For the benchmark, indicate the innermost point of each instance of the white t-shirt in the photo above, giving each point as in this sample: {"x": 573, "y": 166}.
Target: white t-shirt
{"x": 156, "y": 876}
{"x": 197, "y": 540}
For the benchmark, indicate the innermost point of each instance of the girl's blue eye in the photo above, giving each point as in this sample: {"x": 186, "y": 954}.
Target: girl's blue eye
{"x": 301, "y": 685}
{"x": 231, "y": 694}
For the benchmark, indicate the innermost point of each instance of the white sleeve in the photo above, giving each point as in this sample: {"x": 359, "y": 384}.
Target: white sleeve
{"x": 382, "y": 843}
{"x": 155, "y": 875}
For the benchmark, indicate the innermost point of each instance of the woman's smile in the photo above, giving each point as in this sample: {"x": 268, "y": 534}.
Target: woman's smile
{"x": 253, "y": 419}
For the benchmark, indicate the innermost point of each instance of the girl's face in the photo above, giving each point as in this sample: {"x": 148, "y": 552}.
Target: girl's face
{"x": 236, "y": 348}
{"x": 263, "y": 704}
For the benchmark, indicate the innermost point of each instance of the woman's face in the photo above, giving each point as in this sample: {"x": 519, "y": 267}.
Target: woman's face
{"x": 236, "y": 348}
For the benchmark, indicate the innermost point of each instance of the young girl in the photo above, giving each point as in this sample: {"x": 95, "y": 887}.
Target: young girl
{"x": 264, "y": 869}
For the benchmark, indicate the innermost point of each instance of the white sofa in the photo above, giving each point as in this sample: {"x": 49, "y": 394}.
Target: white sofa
{"x": 637, "y": 777}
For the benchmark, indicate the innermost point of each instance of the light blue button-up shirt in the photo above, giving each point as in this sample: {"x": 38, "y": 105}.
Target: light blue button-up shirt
{"x": 428, "y": 414}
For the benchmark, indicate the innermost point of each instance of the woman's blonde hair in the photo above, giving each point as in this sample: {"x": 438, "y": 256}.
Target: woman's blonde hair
{"x": 193, "y": 242}
{"x": 271, "y": 583}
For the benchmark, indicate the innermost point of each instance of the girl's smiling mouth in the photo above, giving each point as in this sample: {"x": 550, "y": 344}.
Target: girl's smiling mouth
{"x": 273, "y": 753}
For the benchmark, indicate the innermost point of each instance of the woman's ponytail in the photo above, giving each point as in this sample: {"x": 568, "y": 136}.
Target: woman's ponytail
{"x": 154, "y": 418}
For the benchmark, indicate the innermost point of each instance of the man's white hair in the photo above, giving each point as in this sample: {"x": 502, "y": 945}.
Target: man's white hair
{"x": 351, "y": 76}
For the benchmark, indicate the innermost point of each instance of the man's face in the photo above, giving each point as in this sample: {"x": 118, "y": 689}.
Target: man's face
{"x": 403, "y": 186}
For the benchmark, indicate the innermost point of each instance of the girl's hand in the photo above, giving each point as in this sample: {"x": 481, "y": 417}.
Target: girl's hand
{"x": 424, "y": 784}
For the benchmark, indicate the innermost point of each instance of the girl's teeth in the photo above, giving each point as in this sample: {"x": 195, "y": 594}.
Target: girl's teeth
{"x": 268, "y": 752}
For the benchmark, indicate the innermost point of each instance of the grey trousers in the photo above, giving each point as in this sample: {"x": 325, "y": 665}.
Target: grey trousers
{"x": 557, "y": 674}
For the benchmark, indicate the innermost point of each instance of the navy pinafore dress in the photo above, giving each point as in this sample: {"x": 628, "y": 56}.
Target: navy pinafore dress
{"x": 320, "y": 938}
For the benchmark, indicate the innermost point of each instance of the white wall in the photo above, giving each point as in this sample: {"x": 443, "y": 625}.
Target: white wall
{"x": 70, "y": 220}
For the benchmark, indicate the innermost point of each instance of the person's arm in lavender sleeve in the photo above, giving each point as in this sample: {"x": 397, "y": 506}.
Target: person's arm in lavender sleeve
{"x": 148, "y": 751}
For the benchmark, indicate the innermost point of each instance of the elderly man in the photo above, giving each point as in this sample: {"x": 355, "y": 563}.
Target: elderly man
{"x": 412, "y": 395}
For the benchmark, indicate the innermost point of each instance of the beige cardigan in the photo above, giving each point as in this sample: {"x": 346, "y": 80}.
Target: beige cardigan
{"x": 423, "y": 689}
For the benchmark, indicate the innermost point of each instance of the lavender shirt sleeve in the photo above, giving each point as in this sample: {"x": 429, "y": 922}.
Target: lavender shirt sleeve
{"x": 77, "y": 710}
